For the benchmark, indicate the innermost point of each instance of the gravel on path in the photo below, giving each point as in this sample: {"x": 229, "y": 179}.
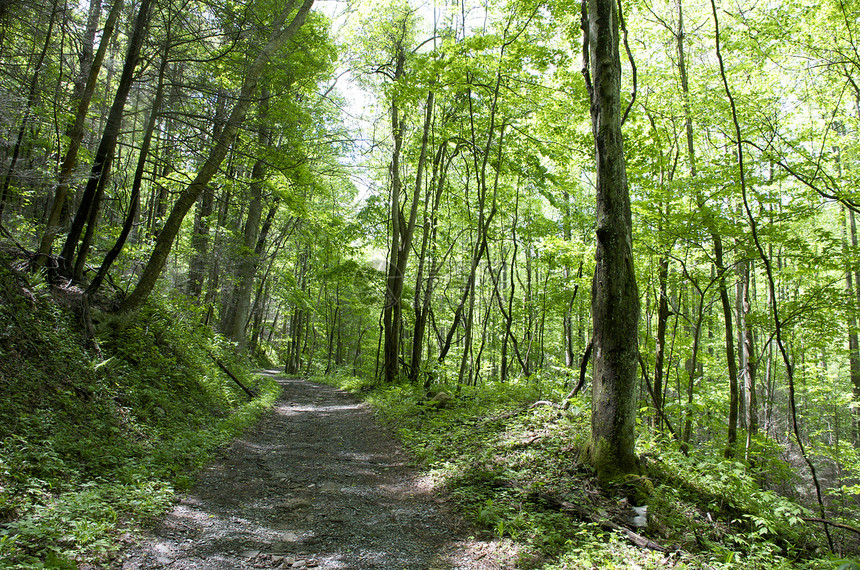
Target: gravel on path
{"x": 317, "y": 483}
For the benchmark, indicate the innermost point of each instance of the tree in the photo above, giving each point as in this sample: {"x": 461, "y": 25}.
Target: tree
{"x": 88, "y": 210}
{"x": 280, "y": 35}
{"x": 615, "y": 296}
{"x": 90, "y": 67}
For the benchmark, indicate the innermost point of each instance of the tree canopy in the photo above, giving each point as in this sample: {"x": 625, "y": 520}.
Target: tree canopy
{"x": 476, "y": 194}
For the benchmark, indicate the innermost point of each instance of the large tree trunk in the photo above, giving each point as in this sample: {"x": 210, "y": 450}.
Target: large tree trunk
{"x": 236, "y": 314}
{"x": 189, "y": 196}
{"x": 615, "y": 296}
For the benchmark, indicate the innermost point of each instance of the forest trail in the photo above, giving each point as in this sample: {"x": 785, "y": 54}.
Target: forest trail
{"x": 316, "y": 483}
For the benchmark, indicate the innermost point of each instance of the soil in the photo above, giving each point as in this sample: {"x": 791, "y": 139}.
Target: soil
{"x": 317, "y": 483}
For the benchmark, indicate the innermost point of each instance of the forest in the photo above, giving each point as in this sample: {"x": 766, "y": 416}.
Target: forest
{"x": 412, "y": 198}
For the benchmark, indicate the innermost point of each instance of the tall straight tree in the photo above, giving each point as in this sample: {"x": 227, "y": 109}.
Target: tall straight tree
{"x": 615, "y": 297}
{"x": 282, "y": 32}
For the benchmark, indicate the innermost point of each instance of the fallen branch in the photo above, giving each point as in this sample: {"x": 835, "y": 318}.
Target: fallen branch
{"x": 221, "y": 365}
{"x": 633, "y": 537}
{"x": 544, "y": 403}
{"x": 832, "y": 523}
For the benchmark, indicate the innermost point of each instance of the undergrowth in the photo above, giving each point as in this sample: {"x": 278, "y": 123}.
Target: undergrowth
{"x": 96, "y": 443}
{"x": 514, "y": 471}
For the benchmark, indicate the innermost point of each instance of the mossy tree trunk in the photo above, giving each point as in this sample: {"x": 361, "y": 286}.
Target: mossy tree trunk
{"x": 615, "y": 297}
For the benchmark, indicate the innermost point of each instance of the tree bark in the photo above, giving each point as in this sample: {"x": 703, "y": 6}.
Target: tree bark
{"x": 615, "y": 296}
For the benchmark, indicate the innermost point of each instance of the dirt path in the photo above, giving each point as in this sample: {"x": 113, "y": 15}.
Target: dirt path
{"x": 316, "y": 483}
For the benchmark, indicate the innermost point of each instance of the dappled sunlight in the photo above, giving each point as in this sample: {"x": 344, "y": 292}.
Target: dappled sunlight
{"x": 316, "y": 484}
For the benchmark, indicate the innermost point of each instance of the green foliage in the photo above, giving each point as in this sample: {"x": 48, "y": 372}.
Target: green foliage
{"x": 95, "y": 445}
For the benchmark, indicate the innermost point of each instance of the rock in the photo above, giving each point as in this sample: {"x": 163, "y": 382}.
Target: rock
{"x": 163, "y": 560}
{"x": 442, "y": 400}
{"x": 639, "y": 517}
{"x": 250, "y": 553}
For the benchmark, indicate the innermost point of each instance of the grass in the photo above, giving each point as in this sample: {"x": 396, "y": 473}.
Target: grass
{"x": 97, "y": 443}
{"x": 515, "y": 472}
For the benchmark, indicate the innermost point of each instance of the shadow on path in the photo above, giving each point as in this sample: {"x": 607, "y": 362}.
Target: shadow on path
{"x": 316, "y": 483}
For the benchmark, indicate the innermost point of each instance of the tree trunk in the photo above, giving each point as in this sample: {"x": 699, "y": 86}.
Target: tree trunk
{"x": 75, "y": 133}
{"x": 233, "y": 323}
{"x": 189, "y": 196}
{"x": 748, "y": 355}
{"x": 104, "y": 155}
{"x": 615, "y": 297}
{"x": 854, "y": 349}
{"x": 134, "y": 200}
{"x": 402, "y": 232}
{"x": 424, "y": 287}
{"x": 731, "y": 363}
{"x": 200, "y": 237}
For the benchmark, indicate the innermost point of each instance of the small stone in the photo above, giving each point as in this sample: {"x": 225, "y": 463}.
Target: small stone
{"x": 300, "y": 564}
{"x": 250, "y": 553}
{"x": 163, "y": 560}
{"x": 312, "y": 563}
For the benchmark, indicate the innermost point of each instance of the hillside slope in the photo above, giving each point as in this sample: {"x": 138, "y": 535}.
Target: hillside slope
{"x": 99, "y": 430}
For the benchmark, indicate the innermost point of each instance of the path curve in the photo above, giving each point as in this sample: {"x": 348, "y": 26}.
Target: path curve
{"x": 316, "y": 483}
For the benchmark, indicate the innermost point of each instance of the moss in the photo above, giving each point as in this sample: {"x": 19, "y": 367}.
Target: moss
{"x": 608, "y": 466}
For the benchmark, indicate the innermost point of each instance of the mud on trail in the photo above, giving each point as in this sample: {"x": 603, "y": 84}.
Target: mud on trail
{"x": 317, "y": 483}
